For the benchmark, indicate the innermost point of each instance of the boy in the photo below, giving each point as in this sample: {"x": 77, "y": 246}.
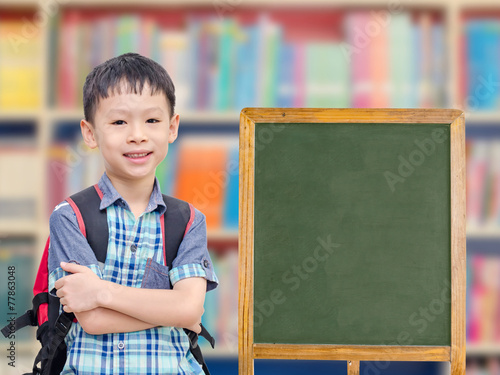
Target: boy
{"x": 128, "y": 323}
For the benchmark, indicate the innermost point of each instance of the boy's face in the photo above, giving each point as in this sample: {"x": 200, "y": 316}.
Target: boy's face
{"x": 132, "y": 132}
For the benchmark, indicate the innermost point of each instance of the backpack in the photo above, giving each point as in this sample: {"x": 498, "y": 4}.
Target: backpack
{"x": 54, "y": 326}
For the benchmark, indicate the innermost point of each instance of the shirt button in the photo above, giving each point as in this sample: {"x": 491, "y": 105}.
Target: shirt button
{"x": 121, "y": 345}
{"x": 205, "y": 263}
{"x": 133, "y": 248}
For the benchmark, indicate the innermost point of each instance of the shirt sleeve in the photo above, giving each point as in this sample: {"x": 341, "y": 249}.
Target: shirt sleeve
{"x": 67, "y": 244}
{"x": 193, "y": 259}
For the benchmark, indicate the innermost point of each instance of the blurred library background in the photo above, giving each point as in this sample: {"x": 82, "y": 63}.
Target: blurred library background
{"x": 224, "y": 55}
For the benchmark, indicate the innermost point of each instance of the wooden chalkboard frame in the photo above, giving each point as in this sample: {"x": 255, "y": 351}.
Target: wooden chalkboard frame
{"x": 353, "y": 354}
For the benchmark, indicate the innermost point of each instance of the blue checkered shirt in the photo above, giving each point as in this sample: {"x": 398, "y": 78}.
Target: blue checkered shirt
{"x": 135, "y": 249}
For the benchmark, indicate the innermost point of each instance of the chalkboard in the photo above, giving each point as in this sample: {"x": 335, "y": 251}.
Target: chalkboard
{"x": 354, "y": 251}
{"x": 351, "y": 222}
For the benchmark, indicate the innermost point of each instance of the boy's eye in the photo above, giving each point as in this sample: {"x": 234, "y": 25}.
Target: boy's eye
{"x": 152, "y": 120}
{"x": 118, "y": 122}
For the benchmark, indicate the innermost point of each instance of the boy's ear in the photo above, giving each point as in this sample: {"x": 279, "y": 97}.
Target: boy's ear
{"x": 173, "y": 129}
{"x": 88, "y": 134}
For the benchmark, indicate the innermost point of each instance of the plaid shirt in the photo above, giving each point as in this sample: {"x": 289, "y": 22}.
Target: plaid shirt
{"x": 135, "y": 259}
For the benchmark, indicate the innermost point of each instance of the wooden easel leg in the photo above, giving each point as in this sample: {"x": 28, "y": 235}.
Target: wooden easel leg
{"x": 352, "y": 367}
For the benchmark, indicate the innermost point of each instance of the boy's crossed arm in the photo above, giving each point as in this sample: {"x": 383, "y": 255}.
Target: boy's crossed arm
{"x": 105, "y": 307}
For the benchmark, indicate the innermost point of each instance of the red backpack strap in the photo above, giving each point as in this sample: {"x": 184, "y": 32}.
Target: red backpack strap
{"x": 42, "y": 285}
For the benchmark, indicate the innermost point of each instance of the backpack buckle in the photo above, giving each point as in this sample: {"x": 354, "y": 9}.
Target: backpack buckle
{"x": 32, "y": 317}
{"x": 63, "y": 324}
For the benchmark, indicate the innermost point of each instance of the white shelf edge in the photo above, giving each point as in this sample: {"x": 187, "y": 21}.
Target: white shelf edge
{"x": 208, "y": 352}
{"x": 19, "y": 228}
{"x": 483, "y": 349}
{"x": 492, "y": 118}
{"x": 486, "y": 232}
{"x": 15, "y": 4}
{"x": 222, "y": 234}
{"x": 16, "y": 115}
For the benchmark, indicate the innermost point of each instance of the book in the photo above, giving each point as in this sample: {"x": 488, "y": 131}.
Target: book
{"x": 327, "y": 72}
{"x": 174, "y": 47}
{"x": 201, "y": 176}
{"x": 424, "y": 51}
{"x": 167, "y": 170}
{"x": 359, "y": 54}
{"x": 231, "y": 196}
{"x": 225, "y": 87}
{"x": 483, "y": 51}
{"x": 270, "y": 37}
{"x": 379, "y": 65}
{"x": 477, "y": 167}
{"x": 67, "y": 60}
{"x": 245, "y": 90}
{"x": 401, "y": 61}
{"x": 20, "y": 71}
{"x": 127, "y": 38}
{"x": 286, "y": 81}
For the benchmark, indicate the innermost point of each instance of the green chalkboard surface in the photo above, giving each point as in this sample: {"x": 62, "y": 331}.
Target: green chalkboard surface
{"x": 352, "y": 234}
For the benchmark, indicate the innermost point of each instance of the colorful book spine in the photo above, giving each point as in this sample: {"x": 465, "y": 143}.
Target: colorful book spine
{"x": 201, "y": 177}
{"x": 231, "y": 206}
{"x": 246, "y": 67}
{"x": 359, "y": 55}
{"x": 20, "y": 72}
{"x": 483, "y": 52}
{"x": 68, "y": 55}
{"x": 401, "y": 61}
{"x": 477, "y": 167}
{"x": 379, "y": 64}
{"x": 483, "y": 326}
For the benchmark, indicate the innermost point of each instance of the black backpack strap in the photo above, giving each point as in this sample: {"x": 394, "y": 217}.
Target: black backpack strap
{"x": 29, "y": 318}
{"x": 94, "y": 220}
{"x": 56, "y": 347}
{"x": 176, "y": 219}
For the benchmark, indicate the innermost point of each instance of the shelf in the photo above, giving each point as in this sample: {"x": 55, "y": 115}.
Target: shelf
{"x": 16, "y": 115}
{"x": 222, "y": 234}
{"x": 486, "y": 118}
{"x": 19, "y": 228}
{"x": 486, "y": 232}
{"x": 483, "y": 349}
{"x": 222, "y": 241}
{"x": 19, "y": 4}
{"x": 208, "y": 352}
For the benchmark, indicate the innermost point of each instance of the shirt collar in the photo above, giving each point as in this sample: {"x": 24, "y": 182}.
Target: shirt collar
{"x": 111, "y": 196}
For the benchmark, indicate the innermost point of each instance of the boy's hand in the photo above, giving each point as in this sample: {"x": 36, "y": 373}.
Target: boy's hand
{"x": 78, "y": 292}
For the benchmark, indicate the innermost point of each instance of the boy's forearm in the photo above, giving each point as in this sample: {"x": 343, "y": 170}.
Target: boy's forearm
{"x": 101, "y": 320}
{"x": 179, "y": 307}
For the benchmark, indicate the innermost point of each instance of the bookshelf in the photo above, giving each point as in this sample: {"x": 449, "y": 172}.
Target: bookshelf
{"x": 314, "y": 25}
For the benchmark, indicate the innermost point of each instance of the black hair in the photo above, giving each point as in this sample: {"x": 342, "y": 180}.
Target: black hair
{"x": 132, "y": 69}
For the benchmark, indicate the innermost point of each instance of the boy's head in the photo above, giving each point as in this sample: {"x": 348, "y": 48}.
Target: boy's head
{"x": 131, "y": 71}
{"x": 129, "y": 115}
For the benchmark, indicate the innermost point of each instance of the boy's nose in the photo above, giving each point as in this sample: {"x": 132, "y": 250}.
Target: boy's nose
{"x": 137, "y": 134}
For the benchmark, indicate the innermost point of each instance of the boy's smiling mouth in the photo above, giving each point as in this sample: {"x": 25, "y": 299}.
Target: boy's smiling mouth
{"x": 138, "y": 156}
